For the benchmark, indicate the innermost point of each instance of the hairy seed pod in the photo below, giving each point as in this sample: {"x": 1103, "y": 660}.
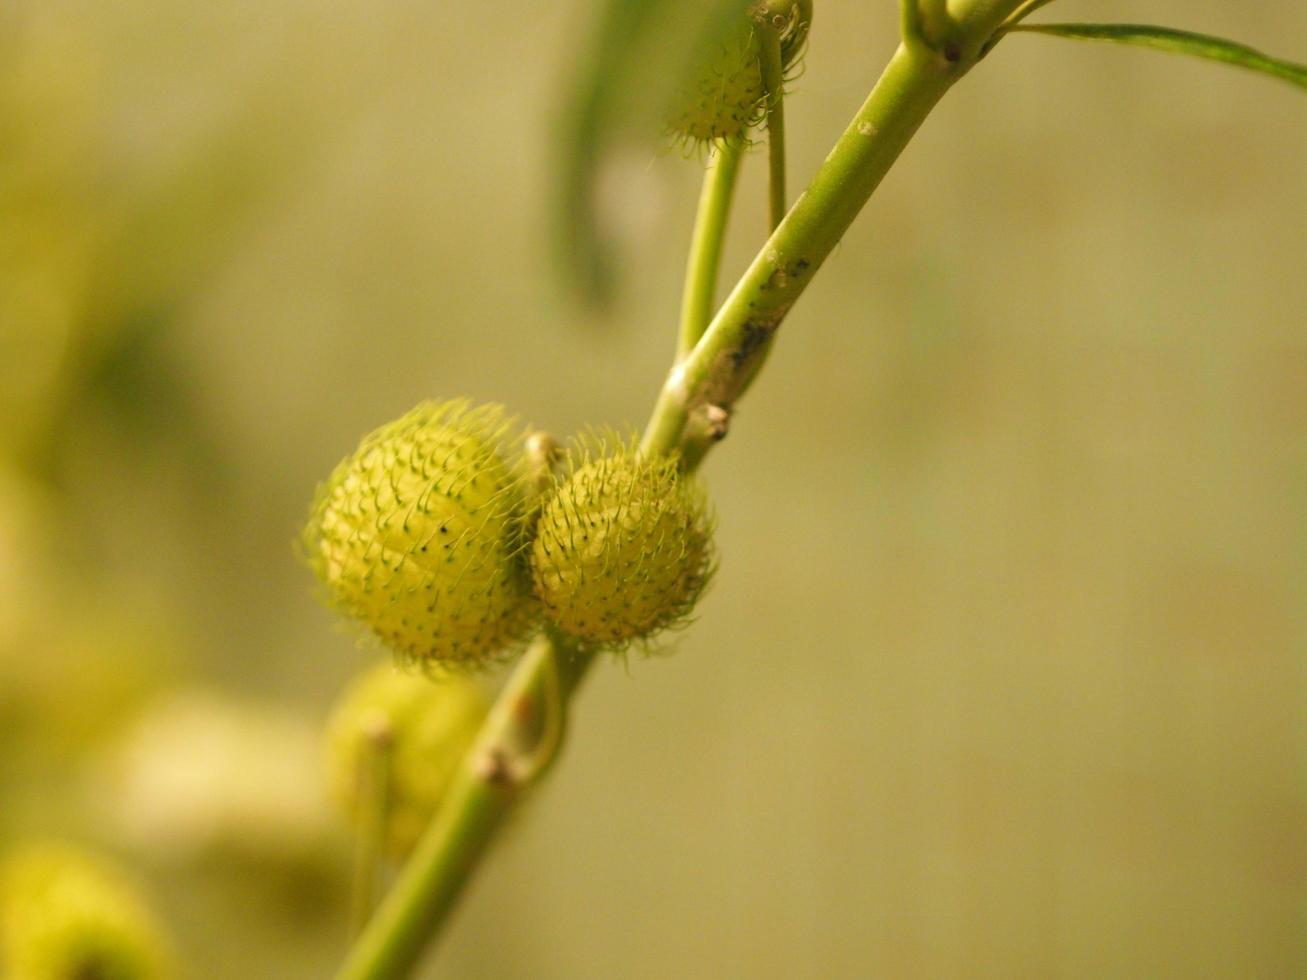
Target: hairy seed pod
{"x": 399, "y": 737}
{"x": 418, "y": 537}
{"x": 65, "y": 915}
{"x": 623, "y": 547}
{"x": 723, "y": 95}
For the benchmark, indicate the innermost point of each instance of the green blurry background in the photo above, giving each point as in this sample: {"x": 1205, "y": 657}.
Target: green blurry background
{"x": 1002, "y": 675}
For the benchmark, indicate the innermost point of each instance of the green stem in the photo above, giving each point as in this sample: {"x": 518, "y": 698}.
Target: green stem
{"x": 1013, "y": 22}
{"x": 374, "y": 797}
{"x": 929, "y": 25}
{"x": 773, "y": 84}
{"x": 700, "y": 294}
{"x": 701, "y": 389}
{"x": 911, "y": 23}
{"x": 720, "y": 367}
{"x": 1024, "y": 11}
{"x": 773, "y": 80}
{"x": 519, "y": 739}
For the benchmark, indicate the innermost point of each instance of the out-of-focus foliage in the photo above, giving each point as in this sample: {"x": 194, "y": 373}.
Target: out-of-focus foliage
{"x": 1001, "y": 673}
{"x": 50, "y": 214}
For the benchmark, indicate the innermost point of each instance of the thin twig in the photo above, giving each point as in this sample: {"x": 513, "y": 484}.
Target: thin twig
{"x": 699, "y": 297}
{"x": 773, "y": 84}
{"x": 373, "y": 788}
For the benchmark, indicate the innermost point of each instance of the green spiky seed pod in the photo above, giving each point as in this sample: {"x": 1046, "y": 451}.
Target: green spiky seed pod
{"x": 423, "y": 726}
{"x": 65, "y": 915}
{"x": 418, "y": 537}
{"x": 723, "y": 95}
{"x": 623, "y": 547}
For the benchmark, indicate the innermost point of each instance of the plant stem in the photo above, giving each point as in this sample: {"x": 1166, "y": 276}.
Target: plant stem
{"x": 718, "y": 370}
{"x": 1012, "y": 22}
{"x": 698, "y": 300}
{"x": 1024, "y": 11}
{"x": 773, "y": 81}
{"x": 688, "y": 416}
{"x": 374, "y": 796}
{"x": 911, "y": 23}
{"x": 773, "y": 84}
{"x": 517, "y": 742}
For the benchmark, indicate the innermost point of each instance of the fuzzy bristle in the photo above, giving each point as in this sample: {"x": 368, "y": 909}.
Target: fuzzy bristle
{"x": 724, "y": 99}
{"x": 723, "y": 96}
{"x": 418, "y": 536}
{"x": 623, "y": 547}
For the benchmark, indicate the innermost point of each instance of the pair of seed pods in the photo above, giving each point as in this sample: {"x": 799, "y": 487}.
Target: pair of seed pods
{"x": 432, "y": 538}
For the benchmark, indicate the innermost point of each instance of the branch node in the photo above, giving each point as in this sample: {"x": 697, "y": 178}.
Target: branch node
{"x": 378, "y": 730}
{"x": 495, "y": 768}
{"x": 717, "y": 422}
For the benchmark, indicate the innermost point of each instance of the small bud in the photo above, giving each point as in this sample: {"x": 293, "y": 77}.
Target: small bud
{"x": 723, "y": 96}
{"x": 65, "y": 915}
{"x": 623, "y": 547}
{"x": 418, "y": 536}
{"x": 422, "y": 727}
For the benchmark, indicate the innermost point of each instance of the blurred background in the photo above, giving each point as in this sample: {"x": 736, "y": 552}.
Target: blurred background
{"x": 1003, "y": 672}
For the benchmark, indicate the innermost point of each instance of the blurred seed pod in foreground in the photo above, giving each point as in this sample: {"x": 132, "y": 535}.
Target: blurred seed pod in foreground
{"x": 402, "y": 736}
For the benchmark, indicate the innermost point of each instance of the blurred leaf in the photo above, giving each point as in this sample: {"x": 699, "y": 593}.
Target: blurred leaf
{"x": 1179, "y": 42}
{"x": 637, "y": 58}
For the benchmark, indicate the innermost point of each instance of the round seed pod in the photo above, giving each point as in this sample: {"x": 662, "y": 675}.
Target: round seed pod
{"x": 722, "y": 96}
{"x": 400, "y": 736}
{"x": 65, "y": 915}
{"x": 417, "y": 536}
{"x": 623, "y": 547}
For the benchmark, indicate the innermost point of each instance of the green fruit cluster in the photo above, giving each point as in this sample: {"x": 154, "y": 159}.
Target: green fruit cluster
{"x": 430, "y": 538}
